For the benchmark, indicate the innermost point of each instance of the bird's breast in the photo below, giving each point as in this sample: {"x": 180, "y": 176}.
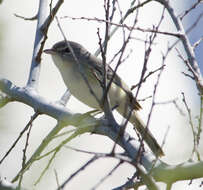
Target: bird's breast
{"x": 74, "y": 77}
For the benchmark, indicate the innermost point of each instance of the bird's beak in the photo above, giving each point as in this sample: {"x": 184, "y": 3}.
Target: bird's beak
{"x": 49, "y": 51}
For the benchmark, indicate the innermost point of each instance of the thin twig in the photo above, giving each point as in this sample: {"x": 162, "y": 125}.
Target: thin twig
{"x": 148, "y": 75}
{"x": 76, "y": 59}
{"x": 24, "y": 154}
{"x": 148, "y": 52}
{"x": 133, "y": 182}
{"x": 65, "y": 98}
{"x": 195, "y": 144}
{"x": 122, "y": 50}
{"x": 107, "y": 175}
{"x": 178, "y": 35}
{"x": 20, "y": 135}
{"x": 192, "y": 63}
{"x": 57, "y": 178}
{"x": 27, "y": 18}
{"x": 174, "y": 102}
{"x": 197, "y": 42}
{"x": 190, "y": 9}
{"x": 94, "y": 158}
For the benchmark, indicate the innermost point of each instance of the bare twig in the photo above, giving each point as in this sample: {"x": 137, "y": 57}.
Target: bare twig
{"x": 128, "y": 12}
{"x": 174, "y": 102}
{"x": 24, "y": 152}
{"x": 190, "y": 9}
{"x": 148, "y": 180}
{"x": 105, "y": 103}
{"x": 133, "y": 182}
{"x": 200, "y": 119}
{"x": 195, "y": 23}
{"x": 122, "y": 50}
{"x": 107, "y": 175}
{"x": 65, "y": 98}
{"x": 147, "y": 53}
{"x": 192, "y": 63}
{"x": 130, "y": 28}
{"x": 57, "y": 178}
{"x": 20, "y": 135}
{"x": 195, "y": 144}
{"x": 154, "y": 95}
{"x": 81, "y": 70}
{"x": 94, "y": 158}
{"x": 197, "y": 42}
{"x": 26, "y": 18}
{"x": 144, "y": 99}
{"x": 188, "y": 65}
{"x": 148, "y": 75}
{"x": 165, "y": 136}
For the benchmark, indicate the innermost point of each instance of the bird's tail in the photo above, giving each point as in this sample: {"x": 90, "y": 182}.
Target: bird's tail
{"x": 147, "y": 136}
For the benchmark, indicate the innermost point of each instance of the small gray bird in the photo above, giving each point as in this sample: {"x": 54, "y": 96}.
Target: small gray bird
{"x": 83, "y": 75}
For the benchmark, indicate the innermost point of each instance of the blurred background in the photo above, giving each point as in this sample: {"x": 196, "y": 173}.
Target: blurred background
{"x": 16, "y": 46}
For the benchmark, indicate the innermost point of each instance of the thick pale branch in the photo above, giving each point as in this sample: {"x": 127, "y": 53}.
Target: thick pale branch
{"x": 185, "y": 171}
{"x": 44, "y": 19}
{"x": 31, "y": 98}
{"x": 41, "y": 105}
{"x": 4, "y": 99}
{"x": 170, "y": 174}
{"x": 35, "y": 66}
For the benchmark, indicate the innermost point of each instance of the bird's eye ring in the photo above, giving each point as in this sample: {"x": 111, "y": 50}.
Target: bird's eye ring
{"x": 66, "y": 50}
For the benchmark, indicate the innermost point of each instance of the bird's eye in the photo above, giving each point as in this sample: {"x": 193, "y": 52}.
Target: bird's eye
{"x": 67, "y": 50}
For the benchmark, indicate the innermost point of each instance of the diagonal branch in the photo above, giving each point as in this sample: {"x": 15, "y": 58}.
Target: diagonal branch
{"x": 35, "y": 66}
{"x": 44, "y": 20}
{"x": 192, "y": 63}
{"x": 62, "y": 114}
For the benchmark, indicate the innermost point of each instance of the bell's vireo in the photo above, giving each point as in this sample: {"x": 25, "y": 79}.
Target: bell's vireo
{"x": 83, "y": 74}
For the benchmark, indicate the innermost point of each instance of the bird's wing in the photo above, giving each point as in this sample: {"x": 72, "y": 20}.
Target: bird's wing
{"x": 98, "y": 72}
